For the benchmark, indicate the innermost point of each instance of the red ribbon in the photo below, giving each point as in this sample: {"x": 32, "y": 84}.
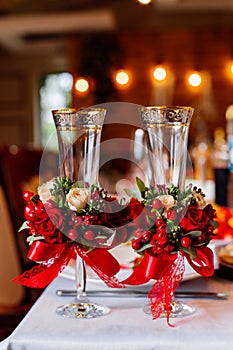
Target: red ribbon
{"x": 151, "y": 267}
{"x": 168, "y": 270}
{"x": 53, "y": 258}
{"x": 103, "y": 263}
{"x": 204, "y": 261}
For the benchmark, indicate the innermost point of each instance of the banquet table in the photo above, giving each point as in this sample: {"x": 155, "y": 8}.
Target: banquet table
{"x": 126, "y": 326}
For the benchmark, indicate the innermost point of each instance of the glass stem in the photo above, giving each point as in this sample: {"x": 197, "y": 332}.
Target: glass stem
{"x": 81, "y": 279}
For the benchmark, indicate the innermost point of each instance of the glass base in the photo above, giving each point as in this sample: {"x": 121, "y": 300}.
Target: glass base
{"x": 82, "y": 310}
{"x": 178, "y": 309}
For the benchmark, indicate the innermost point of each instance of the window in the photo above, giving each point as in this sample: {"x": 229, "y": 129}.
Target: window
{"x": 55, "y": 93}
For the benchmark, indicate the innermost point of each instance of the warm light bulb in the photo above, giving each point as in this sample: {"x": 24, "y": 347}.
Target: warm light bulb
{"x": 194, "y": 79}
{"x": 144, "y": 2}
{"x": 122, "y": 78}
{"x": 160, "y": 73}
{"x": 81, "y": 85}
{"x": 232, "y": 68}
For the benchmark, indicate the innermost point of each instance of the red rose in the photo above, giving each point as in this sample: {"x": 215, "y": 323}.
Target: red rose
{"x": 51, "y": 225}
{"x": 135, "y": 208}
{"x": 194, "y": 219}
{"x": 139, "y": 215}
{"x": 210, "y": 211}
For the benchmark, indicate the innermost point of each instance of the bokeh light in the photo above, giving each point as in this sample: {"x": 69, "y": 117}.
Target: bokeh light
{"x": 159, "y": 73}
{"x": 195, "y": 79}
{"x": 81, "y": 85}
{"x": 122, "y": 78}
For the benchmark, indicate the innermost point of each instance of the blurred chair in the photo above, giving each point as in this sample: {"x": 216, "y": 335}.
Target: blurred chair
{"x": 20, "y": 170}
{"x": 12, "y": 296}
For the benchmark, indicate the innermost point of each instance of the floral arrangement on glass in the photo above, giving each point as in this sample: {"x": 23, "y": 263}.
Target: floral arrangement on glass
{"x": 173, "y": 224}
{"x": 66, "y": 217}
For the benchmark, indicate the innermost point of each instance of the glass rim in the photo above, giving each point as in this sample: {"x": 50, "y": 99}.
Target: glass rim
{"x": 91, "y": 109}
{"x": 64, "y": 111}
{"x": 168, "y": 107}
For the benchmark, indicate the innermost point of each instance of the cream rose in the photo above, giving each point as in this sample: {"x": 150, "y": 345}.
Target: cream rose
{"x": 44, "y": 191}
{"x": 167, "y": 200}
{"x": 77, "y": 198}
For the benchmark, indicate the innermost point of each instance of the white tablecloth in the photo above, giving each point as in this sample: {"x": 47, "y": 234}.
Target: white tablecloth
{"x": 126, "y": 326}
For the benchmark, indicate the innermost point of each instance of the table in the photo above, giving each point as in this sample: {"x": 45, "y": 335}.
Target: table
{"x": 126, "y": 326}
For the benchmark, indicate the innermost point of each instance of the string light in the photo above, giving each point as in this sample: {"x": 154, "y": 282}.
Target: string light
{"x": 232, "y": 68}
{"x": 144, "y": 2}
{"x": 122, "y": 78}
{"x": 160, "y": 73}
{"x": 82, "y": 85}
{"x": 195, "y": 79}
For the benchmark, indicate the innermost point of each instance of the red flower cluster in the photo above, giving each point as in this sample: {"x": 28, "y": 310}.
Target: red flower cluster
{"x": 103, "y": 222}
{"x": 181, "y": 226}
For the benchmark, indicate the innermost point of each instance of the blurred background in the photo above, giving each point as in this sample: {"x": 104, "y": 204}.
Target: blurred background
{"x": 46, "y": 46}
{"x": 56, "y": 53}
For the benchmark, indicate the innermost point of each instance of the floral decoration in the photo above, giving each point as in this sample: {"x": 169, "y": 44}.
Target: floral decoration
{"x": 173, "y": 220}
{"x": 65, "y": 218}
{"x": 173, "y": 224}
{"x": 163, "y": 224}
{"x": 67, "y": 211}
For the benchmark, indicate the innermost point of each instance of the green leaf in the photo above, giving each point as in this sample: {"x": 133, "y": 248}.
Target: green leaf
{"x": 31, "y": 239}
{"x": 141, "y": 185}
{"x": 191, "y": 251}
{"x": 24, "y": 226}
{"x": 213, "y": 223}
{"x": 193, "y": 234}
{"x": 148, "y": 245}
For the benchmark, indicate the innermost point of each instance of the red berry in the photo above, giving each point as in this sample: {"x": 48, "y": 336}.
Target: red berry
{"x": 169, "y": 248}
{"x": 72, "y": 234}
{"x": 171, "y": 214}
{"x": 202, "y": 238}
{"x": 162, "y": 238}
{"x": 160, "y": 223}
{"x": 210, "y": 230}
{"x": 186, "y": 242}
{"x": 136, "y": 244}
{"x": 38, "y": 209}
{"x": 146, "y": 236}
{"x": 89, "y": 235}
{"x": 157, "y": 204}
{"x": 29, "y": 212}
{"x": 27, "y": 195}
{"x": 161, "y": 230}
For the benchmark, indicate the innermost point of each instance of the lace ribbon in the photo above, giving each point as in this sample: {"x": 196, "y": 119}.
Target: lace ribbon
{"x": 54, "y": 258}
{"x": 168, "y": 271}
{"x": 163, "y": 290}
{"x": 104, "y": 264}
